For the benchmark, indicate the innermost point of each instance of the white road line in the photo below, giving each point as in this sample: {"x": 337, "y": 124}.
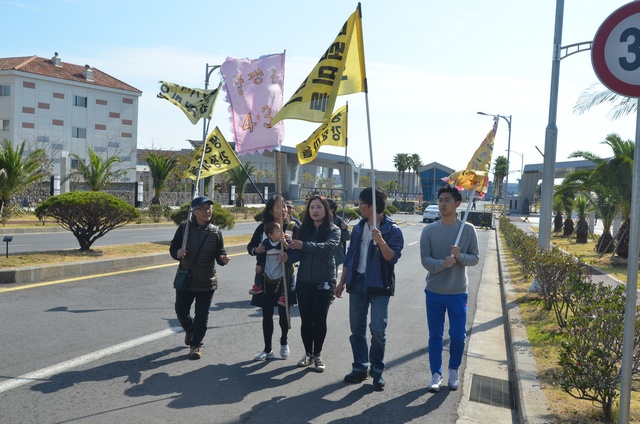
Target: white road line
{"x": 411, "y": 244}
{"x": 81, "y": 360}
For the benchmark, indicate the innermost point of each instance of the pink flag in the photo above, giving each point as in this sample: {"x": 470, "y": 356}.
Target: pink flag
{"x": 254, "y": 90}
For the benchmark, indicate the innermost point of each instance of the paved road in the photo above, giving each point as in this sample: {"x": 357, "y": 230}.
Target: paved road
{"x": 42, "y": 242}
{"x": 104, "y": 350}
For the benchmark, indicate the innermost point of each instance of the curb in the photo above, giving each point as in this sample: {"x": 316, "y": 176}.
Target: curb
{"x": 58, "y": 229}
{"x": 530, "y": 398}
{"x": 37, "y": 274}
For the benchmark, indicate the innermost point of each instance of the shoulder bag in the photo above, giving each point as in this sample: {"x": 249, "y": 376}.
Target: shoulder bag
{"x": 183, "y": 276}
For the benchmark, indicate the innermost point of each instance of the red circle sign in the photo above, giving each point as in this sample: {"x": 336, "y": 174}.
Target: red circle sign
{"x": 615, "y": 52}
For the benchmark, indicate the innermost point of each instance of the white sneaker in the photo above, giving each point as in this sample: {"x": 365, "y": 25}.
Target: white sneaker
{"x": 435, "y": 383}
{"x": 305, "y": 361}
{"x": 284, "y": 351}
{"x": 454, "y": 383}
{"x": 263, "y": 356}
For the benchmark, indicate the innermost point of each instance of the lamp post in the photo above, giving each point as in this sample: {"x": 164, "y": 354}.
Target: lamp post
{"x": 521, "y": 170}
{"x": 506, "y": 191}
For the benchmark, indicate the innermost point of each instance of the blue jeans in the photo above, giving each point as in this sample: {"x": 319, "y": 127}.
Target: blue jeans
{"x": 359, "y": 304}
{"x": 197, "y": 324}
{"x": 455, "y": 306}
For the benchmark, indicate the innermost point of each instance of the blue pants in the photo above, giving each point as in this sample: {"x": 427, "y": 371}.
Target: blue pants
{"x": 455, "y": 306}
{"x": 359, "y": 304}
{"x": 197, "y": 324}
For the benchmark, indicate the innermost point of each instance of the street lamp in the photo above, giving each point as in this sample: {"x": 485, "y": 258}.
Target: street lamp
{"x": 506, "y": 192}
{"x": 521, "y": 171}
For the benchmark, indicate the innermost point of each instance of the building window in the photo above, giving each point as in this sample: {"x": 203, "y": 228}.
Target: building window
{"x": 74, "y": 163}
{"x": 78, "y": 132}
{"x": 43, "y": 139}
{"x": 80, "y": 101}
{"x": 5, "y": 90}
{"x": 4, "y": 125}
{"x": 113, "y": 144}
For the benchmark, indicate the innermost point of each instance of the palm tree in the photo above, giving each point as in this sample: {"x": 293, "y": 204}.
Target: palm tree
{"x": 566, "y": 193}
{"x": 239, "y": 178}
{"x": 98, "y": 173}
{"x": 160, "y": 168}
{"x": 582, "y": 228}
{"x": 615, "y": 177}
{"x": 401, "y": 163}
{"x": 500, "y": 170}
{"x": 19, "y": 171}
{"x": 595, "y": 187}
{"x": 414, "y": 164}
{"x": 595, "y": 95}
{"x": 557, "y": 220}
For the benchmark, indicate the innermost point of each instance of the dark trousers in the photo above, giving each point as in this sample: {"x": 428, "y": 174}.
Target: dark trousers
{"x": 314, "y": 308}
{"x": 197, "y": 324}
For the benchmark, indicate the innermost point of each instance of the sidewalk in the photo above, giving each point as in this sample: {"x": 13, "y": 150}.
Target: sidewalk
{"x": 501, "y": 378}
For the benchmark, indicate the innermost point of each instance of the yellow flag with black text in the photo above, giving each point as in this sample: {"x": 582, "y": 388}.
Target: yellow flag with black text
{"x": 218, "y": 157}
{"x": 340, "y": 71}
{"x": 196, "y": 103}
{"x": 332, "y": 133}
{"x": 476, "y": 175}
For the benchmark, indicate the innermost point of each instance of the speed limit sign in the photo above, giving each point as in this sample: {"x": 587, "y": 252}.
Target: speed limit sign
{"x": 615, "y": 53}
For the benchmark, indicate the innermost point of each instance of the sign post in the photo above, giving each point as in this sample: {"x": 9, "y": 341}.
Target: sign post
{"x": 615, "y": 55}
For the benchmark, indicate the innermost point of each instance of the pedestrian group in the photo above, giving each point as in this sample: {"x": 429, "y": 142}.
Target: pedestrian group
{"x": 297, "y": 262}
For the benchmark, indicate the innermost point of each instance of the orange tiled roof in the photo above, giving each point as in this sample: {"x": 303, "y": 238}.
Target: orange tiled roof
{"x": 68, "y": 71}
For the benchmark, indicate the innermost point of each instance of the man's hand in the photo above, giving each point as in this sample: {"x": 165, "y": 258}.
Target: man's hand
{"x": 340, "y": 290}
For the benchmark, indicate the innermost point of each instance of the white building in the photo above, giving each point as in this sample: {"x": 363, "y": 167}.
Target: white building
{"x": 64, "y": 108}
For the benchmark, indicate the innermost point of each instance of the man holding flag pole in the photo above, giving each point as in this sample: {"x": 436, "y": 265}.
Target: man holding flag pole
{"x": 447, "y": 248}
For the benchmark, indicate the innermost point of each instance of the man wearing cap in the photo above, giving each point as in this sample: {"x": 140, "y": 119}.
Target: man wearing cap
{"x": 204, "y": 247}
{"x": 290, "y": 212}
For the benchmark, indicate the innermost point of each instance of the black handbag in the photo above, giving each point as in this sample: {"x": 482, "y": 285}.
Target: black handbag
{"x": 183, "y": 276}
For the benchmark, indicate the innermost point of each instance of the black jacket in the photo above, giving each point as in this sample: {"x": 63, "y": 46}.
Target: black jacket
{"x": 203, "y": 271}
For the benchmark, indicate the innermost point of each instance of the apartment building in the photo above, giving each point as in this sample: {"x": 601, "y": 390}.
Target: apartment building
{"x": 64, "y": 108}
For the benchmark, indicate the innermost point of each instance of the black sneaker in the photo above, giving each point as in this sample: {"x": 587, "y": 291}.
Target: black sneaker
{"x": 188, "y": 337}
{"x": 355, "y": 377}
{"x": 378, "y": 381}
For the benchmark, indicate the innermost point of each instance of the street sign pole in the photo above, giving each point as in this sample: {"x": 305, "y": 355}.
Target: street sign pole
{"x": 616, "y": 61}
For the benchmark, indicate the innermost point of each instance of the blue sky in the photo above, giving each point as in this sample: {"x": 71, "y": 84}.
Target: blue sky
{"x": 431, "y": 65}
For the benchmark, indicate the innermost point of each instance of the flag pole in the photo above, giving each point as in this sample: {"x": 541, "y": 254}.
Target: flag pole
{"x": 344, "y": 179}
{"x": 189, "y": 213}
{"x": 205, "y": 129}
{"x": 373, "y": 174}
{"x": 466, "y": 214}
{"x": 285, "y": 280}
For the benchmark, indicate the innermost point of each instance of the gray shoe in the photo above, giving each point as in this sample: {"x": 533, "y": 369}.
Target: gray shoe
{"x": 319, "y": 363}
{"x": 305, "y": 361}
{"x": 435, "y": 383}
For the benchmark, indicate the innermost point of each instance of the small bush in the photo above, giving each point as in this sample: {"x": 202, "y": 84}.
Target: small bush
{"x": 220, "y": 217}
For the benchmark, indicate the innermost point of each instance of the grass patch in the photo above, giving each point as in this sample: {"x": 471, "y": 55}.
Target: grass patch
{"x": 616, "y": 267}
{"x": 545, "y": 337}
{"x": 107, "y": 252}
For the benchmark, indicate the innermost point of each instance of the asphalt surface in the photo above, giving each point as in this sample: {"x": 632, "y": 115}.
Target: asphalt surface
{"x": 104, "y": 348}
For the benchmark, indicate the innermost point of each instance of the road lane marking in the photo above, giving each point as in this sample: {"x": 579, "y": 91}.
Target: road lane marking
{"x": 47, "y": 372}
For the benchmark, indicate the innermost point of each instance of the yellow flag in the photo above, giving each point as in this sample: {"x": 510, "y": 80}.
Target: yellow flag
{"x": 333, "y": 133}
{"x": 196, "y": 103}
{"x": 218, "y": 157}
{"x": 339, "y": 71}
{"x": 476, "y": 175}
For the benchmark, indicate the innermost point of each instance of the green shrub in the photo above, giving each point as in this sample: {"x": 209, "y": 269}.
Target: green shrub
{"x": 156, "y": 212}
{"x": 590, "y": 358}
{"x": 89, "y": 215}
{"x": 220, "y": 217}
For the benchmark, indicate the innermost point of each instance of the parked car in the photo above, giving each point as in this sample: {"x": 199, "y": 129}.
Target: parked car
{"x": 431, "y": 214}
